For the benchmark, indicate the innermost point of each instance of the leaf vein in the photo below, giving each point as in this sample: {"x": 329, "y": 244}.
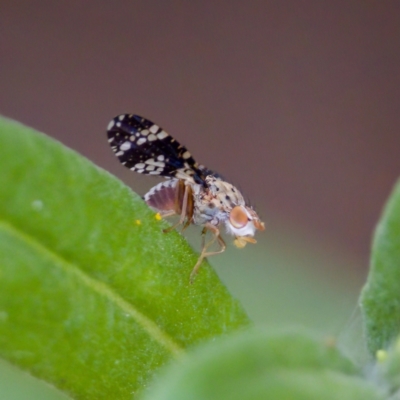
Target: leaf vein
{"x": 101, "y": 288}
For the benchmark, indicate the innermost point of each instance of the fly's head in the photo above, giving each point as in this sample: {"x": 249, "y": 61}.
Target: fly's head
{"x": 240, "y": 220}
{"x": 243, "y": 223}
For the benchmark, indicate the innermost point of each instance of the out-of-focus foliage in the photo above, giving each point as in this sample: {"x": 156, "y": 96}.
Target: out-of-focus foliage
{"x": 380, "y": 298}
{"x": 255, "y": 365}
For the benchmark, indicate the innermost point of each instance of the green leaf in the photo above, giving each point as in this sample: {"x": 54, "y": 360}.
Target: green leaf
{"x": 93, "y": 296}
{"x": 380, "y": 298}
{"x": 256, "y": 365}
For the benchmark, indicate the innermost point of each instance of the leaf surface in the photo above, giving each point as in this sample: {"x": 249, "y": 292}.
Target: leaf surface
{"x": 93, "y": 296}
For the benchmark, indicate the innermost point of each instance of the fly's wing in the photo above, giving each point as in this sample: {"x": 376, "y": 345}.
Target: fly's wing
{"x": 144, "y": 147}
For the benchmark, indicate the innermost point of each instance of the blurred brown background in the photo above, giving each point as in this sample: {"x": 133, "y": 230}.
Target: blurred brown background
{"x": 296, "y": 102}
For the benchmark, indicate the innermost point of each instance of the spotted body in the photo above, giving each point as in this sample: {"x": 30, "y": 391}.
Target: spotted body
{"x": 198, "y": 195}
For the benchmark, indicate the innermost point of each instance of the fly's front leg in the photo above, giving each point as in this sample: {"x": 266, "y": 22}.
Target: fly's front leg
{"x": 216, "y": 236}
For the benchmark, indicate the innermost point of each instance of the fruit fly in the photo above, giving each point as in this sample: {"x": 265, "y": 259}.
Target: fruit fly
{"x": 196, "y": 194}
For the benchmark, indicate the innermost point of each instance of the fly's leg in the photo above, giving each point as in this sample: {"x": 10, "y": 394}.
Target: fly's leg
{"x": 189, "y": 208}
{"x": 203, "y": 237}
{"x": 216, "y": 237}
{"x": 181, "y": 205}
{"x": 168, "y": 214}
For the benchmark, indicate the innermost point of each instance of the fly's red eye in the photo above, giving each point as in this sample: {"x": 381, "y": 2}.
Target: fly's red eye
{"x": 238, "y": 217}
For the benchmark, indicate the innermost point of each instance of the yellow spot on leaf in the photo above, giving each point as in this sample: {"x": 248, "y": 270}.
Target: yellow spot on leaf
{"x": 138, "y": 222}
{"x": 158, "y": 217}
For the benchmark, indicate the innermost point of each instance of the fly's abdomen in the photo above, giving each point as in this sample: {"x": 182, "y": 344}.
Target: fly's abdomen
{"x": 172, "y": 197}
{"x": 162, "y": 197}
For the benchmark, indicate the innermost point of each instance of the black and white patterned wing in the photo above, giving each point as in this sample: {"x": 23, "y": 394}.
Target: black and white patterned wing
{"x": 144, "y": 147}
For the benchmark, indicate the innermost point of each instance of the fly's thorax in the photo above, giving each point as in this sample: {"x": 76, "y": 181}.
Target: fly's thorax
{"x": 206, "y": 208}
{"x": 227, "y": 196}
{"x": 214, "y": 202}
